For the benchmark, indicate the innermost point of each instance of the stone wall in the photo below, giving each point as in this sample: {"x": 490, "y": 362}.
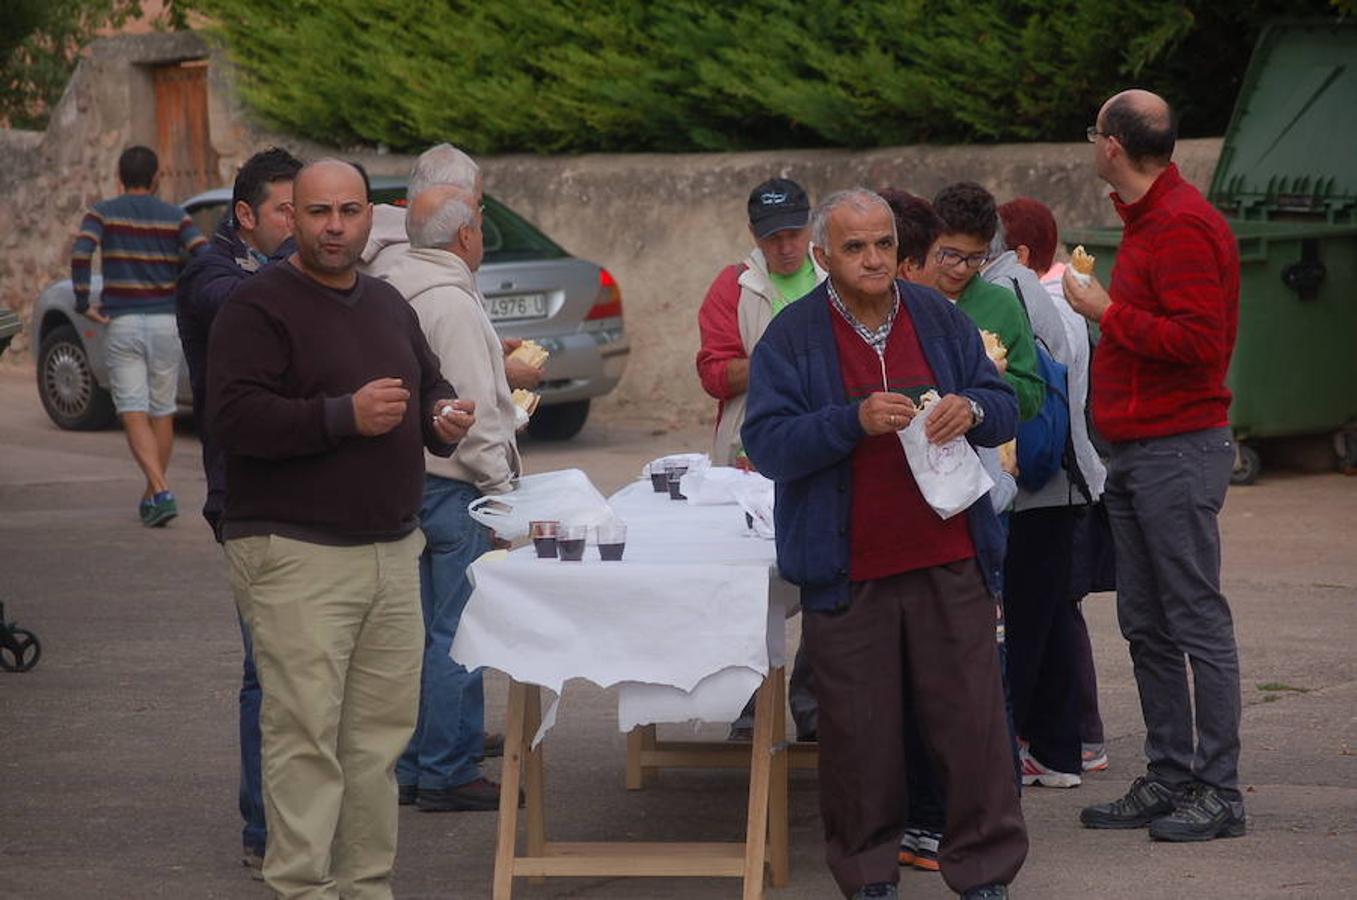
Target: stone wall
{"x": 664, "y": 225}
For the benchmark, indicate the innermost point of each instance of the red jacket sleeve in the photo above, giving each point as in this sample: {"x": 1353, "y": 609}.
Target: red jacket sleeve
{"x": 1189, "y": 326}
{"x": 719, "y": 323}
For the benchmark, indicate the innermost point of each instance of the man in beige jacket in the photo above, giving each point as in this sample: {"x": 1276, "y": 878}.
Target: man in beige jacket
{"x": 441, "y": 165}
{"x": 440, "y": 770}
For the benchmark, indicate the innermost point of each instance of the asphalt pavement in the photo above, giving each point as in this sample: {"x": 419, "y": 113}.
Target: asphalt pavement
{"x": 118, "y": 752}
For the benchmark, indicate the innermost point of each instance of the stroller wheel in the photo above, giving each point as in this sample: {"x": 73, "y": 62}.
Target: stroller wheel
{"x": 21, "y": 653}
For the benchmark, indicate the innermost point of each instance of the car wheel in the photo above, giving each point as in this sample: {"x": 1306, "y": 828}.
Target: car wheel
{"x": 66, "y": 385}
{"x": 560, "y": 422}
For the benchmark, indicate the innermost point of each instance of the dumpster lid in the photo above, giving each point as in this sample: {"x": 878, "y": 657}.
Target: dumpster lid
{"x": 1289, "y": 147}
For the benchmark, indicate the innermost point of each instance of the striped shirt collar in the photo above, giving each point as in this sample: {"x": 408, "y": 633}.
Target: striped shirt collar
{"x": 874, "y": 337}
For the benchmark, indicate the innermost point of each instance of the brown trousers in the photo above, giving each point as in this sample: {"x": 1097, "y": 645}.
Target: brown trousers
{"x": 924, "y": 638}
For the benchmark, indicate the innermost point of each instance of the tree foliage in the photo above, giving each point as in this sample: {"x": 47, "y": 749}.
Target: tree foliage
{"x": 626, "y": 75}
{"x": 40, "y": 44}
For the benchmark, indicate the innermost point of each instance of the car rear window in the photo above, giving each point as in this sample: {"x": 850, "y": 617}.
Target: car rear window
{"x": 508, "y": 236}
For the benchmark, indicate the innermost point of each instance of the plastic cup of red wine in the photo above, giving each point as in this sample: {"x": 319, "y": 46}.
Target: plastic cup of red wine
{"x": 659, "y": 480}
{"x": 612, "y": 540}
{"x": 570, "y": 542}
{"x": 544, "y": 537}
{"x": 673, "y": 474}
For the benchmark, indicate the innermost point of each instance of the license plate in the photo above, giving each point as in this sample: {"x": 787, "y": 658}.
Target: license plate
{"x": 516, "y": 306}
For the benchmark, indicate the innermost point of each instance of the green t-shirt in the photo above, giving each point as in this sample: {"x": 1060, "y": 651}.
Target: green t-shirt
{"x": 996, "y": 309}
{"x": 792, "y": 287}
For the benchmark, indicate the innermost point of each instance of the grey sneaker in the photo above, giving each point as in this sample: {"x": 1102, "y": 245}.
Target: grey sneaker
{"x": 880, "y": 890}
{"x": 1202, "y": 815}
{"x": 1146, "y": 801}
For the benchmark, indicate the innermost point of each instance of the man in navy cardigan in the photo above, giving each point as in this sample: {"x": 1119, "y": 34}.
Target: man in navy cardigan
{"x": 899, "y": 603}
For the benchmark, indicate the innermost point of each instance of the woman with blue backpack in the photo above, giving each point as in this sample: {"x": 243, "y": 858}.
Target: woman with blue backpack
{"x": 1059, "y": 474}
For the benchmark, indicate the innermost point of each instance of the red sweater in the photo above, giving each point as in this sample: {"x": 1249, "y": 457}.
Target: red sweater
{"x": 892, "y": 528}
{"x": 1167, "y": 337}
{"x": 718, "y": 321}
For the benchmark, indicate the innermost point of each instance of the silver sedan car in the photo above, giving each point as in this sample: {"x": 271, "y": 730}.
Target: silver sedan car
{"x": 532, "y": 289}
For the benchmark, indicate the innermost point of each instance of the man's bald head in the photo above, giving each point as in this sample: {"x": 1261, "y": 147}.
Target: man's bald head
{"x": 1143, "y": 124}
{"x": 329, "y": 175}
{"x": 331, "y": 219}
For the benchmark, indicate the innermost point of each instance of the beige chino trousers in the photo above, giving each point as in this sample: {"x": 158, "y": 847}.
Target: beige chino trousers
{"x": 338, "y": 643}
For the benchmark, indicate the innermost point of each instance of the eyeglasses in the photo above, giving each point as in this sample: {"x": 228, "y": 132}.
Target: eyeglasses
{"x": 948, "y": 258}
{"x": 1092, "y": 133}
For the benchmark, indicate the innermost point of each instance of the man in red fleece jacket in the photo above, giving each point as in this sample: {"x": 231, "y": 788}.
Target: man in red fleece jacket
{"x": 1168, "y": 328}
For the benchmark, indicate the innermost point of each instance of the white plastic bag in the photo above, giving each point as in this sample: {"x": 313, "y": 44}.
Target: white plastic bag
{"x": 714, "y": 485}
{"x": 949, "y": 475}
{"x": 755, "y": 494}
{"x": 694, "y": 462}
{"x": 567, "y": 496}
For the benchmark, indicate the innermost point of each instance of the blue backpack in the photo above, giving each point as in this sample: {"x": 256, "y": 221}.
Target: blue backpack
{"x": 1043, "y": 440}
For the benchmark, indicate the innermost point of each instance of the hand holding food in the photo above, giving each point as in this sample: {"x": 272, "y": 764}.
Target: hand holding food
{"x": 1008, "y": 458}
{"x": 525, "y": 404}
{"x": 452, "y": 419}
{"x": 884, "y": 412}
{"x": 1082, "y": 263}
{"x": 530, "y": 353}
{"x": 949, "y": 418}
{"x": 995, "y": 350}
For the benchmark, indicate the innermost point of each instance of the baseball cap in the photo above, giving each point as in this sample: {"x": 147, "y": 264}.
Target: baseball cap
{"x": 776, "y": 205}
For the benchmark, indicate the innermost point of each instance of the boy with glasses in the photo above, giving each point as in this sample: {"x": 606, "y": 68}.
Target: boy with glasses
{"x": 969, "y": 221}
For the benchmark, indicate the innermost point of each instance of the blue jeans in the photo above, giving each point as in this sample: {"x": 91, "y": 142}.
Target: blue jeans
{"x": 450, "y": 734}
{"x": 253, "y": 836}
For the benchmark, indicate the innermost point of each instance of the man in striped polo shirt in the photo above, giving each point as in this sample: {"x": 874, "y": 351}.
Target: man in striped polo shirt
{"x": 143, "y": 242}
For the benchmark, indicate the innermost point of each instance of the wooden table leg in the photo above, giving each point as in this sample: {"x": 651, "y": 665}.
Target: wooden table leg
{"x": 534, "y": 802}
{"x": 639, "y": 739}
{"x": 778, "y": 852}
{"x": 515, "y": 745}
{"x": 760, "y": 766}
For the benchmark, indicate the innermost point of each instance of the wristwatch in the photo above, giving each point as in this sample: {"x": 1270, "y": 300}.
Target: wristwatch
{"x": 977, "y": 412}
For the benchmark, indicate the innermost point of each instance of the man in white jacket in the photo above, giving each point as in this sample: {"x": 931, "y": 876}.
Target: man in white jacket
{"x": 440, "y": 770}
{"x": 740, "y": 303}
{"x": 440, "y": 165}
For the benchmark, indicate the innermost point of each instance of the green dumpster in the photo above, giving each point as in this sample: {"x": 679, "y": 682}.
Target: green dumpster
{"x": 1287, "y": 183}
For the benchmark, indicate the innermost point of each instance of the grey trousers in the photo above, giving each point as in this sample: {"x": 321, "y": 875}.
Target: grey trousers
{"x": 1163, "y": 497}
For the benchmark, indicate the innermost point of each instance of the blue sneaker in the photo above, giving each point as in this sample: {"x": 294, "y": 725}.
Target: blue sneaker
{"x": 145, "y": 509}
{"x": 163, "y": 508}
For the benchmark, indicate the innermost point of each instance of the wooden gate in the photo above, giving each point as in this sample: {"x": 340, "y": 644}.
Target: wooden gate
{"x": 188, "y": 164}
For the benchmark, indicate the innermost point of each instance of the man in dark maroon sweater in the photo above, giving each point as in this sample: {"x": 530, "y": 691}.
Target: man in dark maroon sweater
{"x": 1159, "y": 396}
{"x": 324, "y": 394}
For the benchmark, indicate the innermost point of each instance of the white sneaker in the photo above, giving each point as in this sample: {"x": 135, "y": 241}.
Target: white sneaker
{"x": 1094, "y": 758}
{"x": 1034, "y": 773}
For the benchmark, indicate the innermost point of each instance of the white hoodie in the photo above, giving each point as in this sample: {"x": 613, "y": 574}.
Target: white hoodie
{"x": 442, "y": 291}
{"x": 387, "y": 243}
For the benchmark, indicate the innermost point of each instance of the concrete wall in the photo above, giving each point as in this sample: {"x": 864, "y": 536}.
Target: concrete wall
{"x": 664, "y": 225}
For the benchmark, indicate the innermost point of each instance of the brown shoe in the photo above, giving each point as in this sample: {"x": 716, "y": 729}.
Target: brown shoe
{"x": 494, "y": 746}
{"x": 481, "y": 795}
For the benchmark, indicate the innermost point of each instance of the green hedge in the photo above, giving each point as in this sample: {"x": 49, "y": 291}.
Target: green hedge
{"x": 550, "y": 76}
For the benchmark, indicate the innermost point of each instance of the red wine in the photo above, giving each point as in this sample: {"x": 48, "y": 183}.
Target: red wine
{"x": 572, "y": 550}
{"x": 546, "y": 547}
{"x": 611, "y": 552}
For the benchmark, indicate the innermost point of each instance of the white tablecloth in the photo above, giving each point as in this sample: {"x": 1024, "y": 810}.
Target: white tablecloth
{"x": 687, "y": 624}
